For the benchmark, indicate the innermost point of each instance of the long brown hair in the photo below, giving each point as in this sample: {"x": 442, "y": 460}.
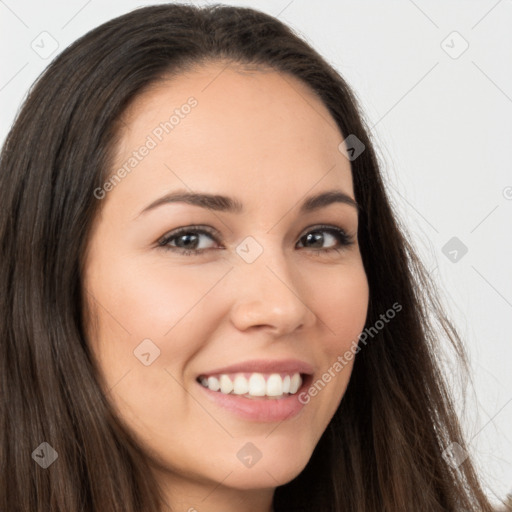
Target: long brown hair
{"x": 383, "y": 449}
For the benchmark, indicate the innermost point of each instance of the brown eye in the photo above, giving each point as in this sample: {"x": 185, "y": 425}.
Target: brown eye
{"x": 317, "y": 238}
{"x": 187, "y": 240}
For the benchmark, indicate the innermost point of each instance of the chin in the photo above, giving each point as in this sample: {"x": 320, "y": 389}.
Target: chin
{"x": 273, "y": 469}
{"x": 255, "y": 479}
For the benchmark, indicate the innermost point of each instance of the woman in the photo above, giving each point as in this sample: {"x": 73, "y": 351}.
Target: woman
{"x": 143, "y": 370}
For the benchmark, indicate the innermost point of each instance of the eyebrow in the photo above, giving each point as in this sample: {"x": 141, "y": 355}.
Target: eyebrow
{"x": 232, "y": 205}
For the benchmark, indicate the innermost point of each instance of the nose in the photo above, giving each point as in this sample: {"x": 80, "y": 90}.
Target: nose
{"x": 269, "y": 294}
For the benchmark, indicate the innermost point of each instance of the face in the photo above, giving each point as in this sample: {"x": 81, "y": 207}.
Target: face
{"x": 269, "y": 281}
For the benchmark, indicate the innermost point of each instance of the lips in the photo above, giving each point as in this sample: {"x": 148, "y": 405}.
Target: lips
{"x": 266, "y": 366}
{"x": 260, "y": 408}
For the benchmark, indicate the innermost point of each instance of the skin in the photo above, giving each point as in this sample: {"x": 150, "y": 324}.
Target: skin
{"x": 265, "y": 139}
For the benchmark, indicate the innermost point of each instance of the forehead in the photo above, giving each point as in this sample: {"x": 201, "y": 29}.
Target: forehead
{"x": 254, "y": 131}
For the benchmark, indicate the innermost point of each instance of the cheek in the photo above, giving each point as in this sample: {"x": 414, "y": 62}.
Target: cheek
{"x": 172, "y": 307}
{"x": 341, "y": 303}
{"x": 153, "y": 300}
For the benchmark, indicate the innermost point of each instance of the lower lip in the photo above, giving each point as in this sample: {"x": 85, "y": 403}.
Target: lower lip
{"x": 260, "y": 409}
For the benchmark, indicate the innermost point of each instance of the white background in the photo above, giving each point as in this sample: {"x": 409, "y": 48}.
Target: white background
{"x": 443, "y": 128}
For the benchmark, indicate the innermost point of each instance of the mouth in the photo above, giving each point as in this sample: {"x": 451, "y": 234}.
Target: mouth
{"x": 254, "y": 385}
{"x": 257, "y": 397}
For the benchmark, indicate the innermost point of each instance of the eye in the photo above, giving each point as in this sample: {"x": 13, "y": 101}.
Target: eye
{"x": 318, "y": 238}
{"x": 187, "y": 240}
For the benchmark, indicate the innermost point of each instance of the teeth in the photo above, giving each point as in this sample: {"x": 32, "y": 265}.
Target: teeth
{"x": 213, "y": 383}
{"x": 240, "y": 386}
{"x": 226, "y": 386}
{"x": 257, "y": 385}
{"x": 274, "y": 385}
{"x": 295, "y": 383}
{"x": 286, "y": 384}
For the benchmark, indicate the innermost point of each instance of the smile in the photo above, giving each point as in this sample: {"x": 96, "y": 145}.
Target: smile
{"x": 253, "y": 385}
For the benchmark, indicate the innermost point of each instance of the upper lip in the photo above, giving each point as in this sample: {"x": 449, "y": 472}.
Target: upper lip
{"x": 265, "y": 366}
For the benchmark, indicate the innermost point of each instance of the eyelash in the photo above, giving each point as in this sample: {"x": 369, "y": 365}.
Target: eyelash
{"x": 343, "y": 238}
